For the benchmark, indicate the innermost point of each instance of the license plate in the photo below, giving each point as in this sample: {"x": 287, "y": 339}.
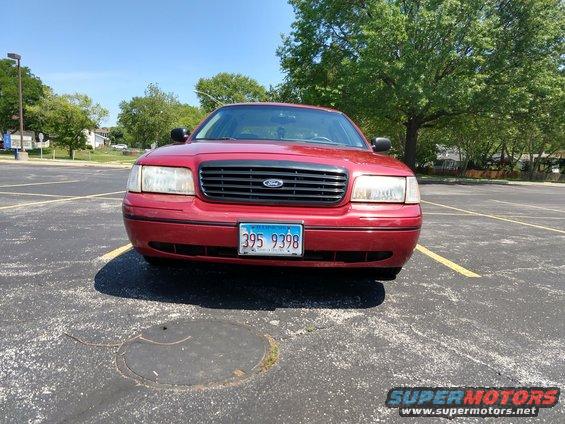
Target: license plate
{"x": 260, "y": 239}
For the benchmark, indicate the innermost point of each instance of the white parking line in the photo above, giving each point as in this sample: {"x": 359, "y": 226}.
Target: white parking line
{"x": 43, "y": 183}
{"x": 32, "y": 194}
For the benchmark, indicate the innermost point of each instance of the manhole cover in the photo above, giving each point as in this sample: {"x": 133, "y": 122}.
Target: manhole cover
{"x": 193, "y": 354}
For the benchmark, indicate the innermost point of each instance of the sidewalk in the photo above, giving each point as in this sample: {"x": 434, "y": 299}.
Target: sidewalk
{"x": 64, "y": 162}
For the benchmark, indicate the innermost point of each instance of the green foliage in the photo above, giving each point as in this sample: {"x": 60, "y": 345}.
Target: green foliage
{"x": 150, "y": 118}
{"x": 66, "y": 117}
{"x": 187, "y": 116}
{"x": 427, "y": 150}
{"x": 284, "y": 93}
{"x": 423, "y": 63}
{"x": 117, "y": 135}
{"x": 33, "y": 91}
{"x": 225, "y": 88}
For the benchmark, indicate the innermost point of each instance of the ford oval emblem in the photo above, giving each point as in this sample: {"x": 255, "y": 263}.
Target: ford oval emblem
{"x": 273, "y": 183}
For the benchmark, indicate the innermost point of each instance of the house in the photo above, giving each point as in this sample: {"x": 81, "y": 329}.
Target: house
{"x": 104, "y": 132}
{"x": 447, "y": 158}
{"x": 95, "y": 140}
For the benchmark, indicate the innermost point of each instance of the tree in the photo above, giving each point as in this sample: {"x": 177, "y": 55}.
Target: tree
{"x": 285, "y": 92}
{"x": 187, "y": 116}
{"x": 116, "y": 135}
{"x": 541, "y": 124}
{"x": 150, "y": 118}
{"x": 473, "y": 137}
{"x": 418, "y": 63}
{"x": 66, "y": 117}
{"x": 225, "y": 88}
{"x": 33, "y": 91}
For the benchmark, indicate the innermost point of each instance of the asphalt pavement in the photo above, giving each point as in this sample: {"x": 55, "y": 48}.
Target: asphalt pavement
{"x": 481, "y": 303}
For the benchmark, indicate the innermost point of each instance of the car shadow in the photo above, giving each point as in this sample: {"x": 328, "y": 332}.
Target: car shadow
{"x": 237, "y": 287}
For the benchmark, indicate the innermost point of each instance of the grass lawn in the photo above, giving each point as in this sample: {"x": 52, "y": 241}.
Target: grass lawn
{"x": 103, "y": 155}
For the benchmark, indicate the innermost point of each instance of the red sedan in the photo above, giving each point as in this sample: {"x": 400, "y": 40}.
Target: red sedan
{"x": 278, "y": 185}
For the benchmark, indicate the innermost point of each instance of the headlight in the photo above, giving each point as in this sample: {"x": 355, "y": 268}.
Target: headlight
{"x": 161, "y": 179}
{"x": 381, "y": 189}
{"x": 134, "y": 180}
{"x": 412, "y": 190}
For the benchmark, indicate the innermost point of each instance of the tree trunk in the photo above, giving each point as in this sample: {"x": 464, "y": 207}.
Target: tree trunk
{"x": 412, "y": 128}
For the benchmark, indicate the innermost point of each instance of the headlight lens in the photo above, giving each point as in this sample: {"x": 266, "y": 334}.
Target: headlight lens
{"x": 163, "y": 179}
{"x": 134, "y": 180}
{"x": 412, "y": 190}
{"x": 160, "y": 179}
{"x": 376, "y": 188}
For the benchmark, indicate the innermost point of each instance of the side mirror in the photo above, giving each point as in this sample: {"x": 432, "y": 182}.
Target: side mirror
{"x": 381, "y": 144}
{"x": 179, "y": 135}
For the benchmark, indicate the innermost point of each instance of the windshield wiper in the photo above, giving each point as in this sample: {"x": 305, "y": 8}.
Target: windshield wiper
{"x": 333, "y": 143}
{"x": 219, "y": 138}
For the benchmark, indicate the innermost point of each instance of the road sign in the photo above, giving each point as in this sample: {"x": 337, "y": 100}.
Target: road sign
{"x": 40, "y": 136}
{"x": 7, "y": 141}
{"x": 17, "y": 141}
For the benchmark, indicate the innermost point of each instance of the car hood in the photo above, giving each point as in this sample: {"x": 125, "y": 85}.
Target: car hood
{"x": 353, "y": 159}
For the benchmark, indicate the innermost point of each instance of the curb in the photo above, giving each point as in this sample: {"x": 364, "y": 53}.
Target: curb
{"x": 62, "y": 162}
{"x": 466, "y": 181}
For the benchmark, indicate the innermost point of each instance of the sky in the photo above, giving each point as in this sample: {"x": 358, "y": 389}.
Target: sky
{"x": 111, "y": 50}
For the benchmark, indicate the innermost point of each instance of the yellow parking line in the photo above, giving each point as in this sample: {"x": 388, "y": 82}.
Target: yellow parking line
{"x": 541, "y": 227}
{"x": 529, "y": 206}
{"x": 446, "y": 262}
{"x": 445, "y": 213}
{"x": 43, "y": 183}
{"x": 116, "y": 252}
{"x": 66, "y": 199}
{"x": 501, "y": 215}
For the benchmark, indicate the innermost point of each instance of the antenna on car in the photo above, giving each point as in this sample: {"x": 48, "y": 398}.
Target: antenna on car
{"x": 210, "y": 96}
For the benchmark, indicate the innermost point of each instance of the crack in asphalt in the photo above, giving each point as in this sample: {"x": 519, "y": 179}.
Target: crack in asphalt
{"x": 95, "y": 344}
{"x": 306, "y": 331}
{"x": 469, "y": 357}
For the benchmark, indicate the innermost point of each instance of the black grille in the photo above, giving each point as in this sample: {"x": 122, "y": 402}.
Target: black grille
{"x": 242, "y": 181}
{"x": 309, "y": 255}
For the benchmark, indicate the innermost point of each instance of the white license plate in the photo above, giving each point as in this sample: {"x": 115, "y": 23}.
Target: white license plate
{"x": 261, "y": 239}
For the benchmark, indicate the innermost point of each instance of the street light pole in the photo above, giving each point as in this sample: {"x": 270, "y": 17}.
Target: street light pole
{"x": 18, "y": 59}
{"x": 210, "y": 97}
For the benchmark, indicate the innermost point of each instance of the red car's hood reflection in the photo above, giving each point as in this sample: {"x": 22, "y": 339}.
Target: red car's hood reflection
{"x": 351, "y": 158}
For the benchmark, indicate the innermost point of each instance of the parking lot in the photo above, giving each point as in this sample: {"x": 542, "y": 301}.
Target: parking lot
{"x": 480, "y": 303}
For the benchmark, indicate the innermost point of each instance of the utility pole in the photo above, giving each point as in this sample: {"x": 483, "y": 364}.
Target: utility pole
{"x": 22, "y": 154}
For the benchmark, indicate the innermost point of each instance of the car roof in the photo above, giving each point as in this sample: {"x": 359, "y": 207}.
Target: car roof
{"x": 296, "y": 105}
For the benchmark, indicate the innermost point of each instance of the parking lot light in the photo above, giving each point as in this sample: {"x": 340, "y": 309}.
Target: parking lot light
{"x": 23, "y": 154}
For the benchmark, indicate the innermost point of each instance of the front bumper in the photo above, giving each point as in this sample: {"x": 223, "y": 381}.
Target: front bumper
{"x": 353, "y": 235}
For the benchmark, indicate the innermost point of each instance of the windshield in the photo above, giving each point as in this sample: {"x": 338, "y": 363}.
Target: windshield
{"x": 281, "y": 123}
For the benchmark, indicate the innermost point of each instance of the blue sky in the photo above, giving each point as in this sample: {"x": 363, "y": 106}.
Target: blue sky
{"x": 111, "y": 50}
